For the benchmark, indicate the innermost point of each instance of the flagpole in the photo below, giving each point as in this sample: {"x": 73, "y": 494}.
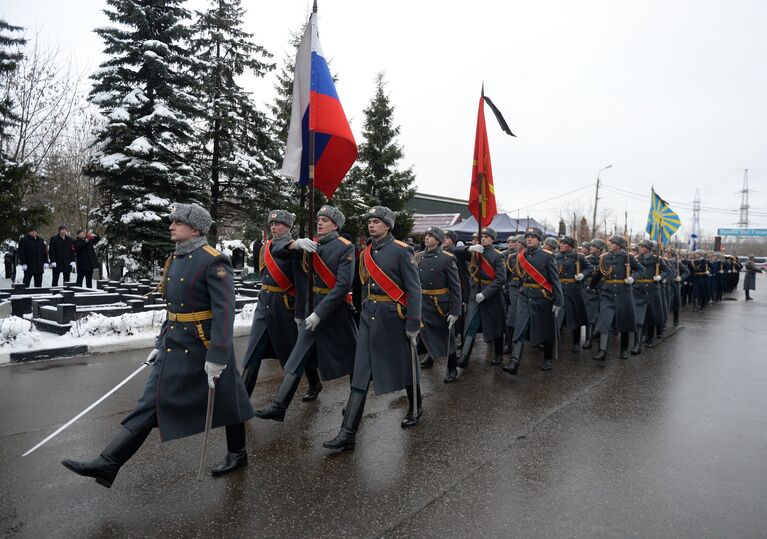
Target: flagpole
{"x": 310, "y": 198}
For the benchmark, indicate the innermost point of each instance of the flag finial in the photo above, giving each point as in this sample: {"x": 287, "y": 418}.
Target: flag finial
{"x": 314, "y": 7}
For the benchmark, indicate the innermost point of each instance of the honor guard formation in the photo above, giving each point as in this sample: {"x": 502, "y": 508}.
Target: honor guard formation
{"x": 417, "y": 310}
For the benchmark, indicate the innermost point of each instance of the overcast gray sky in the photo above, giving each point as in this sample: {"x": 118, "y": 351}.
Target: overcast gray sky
{"x": 671, "y": 93}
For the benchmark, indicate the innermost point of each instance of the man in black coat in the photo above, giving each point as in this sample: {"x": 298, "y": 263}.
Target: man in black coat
{"x": 33, "y": 256}
{"x": 193, "y": 352}
{"x": 61, "y": 252}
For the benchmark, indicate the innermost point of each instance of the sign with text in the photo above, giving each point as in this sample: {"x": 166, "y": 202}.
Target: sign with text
{"x": 743, "y": 232}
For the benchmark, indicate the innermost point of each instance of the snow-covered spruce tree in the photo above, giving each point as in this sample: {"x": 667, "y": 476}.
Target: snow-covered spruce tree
{"x": 142, "y": 158}
{"x": 377, "y": 180}
{"x": 236, "y": 156}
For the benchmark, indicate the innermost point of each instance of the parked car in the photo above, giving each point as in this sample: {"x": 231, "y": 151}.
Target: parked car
{"x": 759, "y": 261}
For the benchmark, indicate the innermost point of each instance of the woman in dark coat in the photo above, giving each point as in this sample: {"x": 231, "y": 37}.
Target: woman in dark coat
{"x": 85, "y": 256}
{"x": 749, "y": 283}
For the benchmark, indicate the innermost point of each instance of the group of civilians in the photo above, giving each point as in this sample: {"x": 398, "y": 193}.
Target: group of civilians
{"x": 63, "y": 254}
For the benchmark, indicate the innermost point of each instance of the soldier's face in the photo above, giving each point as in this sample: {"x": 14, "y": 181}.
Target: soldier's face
{"x": 643, "y": 250}
{"x": 595, "y": 251}
{"x": 181, "y": 231}
{"x": 430, "y": 241}
{"x": 278, "y": 229}
{"x": 614, "y": 247}
{"x": 448, "y": 242}
{"x": 532, "y": 241}
{"x": 377, "y": 228}
{"x": 485, "y": 240}
{"x": 565, "y": 248}
{"x": 325, "y": 226}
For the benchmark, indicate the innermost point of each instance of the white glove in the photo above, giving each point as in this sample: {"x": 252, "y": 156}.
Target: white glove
{"x": 708, "y": 273}
{"x": 213, "y": 370}
{"x": 152, "y": 355}
{"x": 628, "y": 280}
{"x": 53, "y": 264}
{"x": 479, "y": 297}
{"x": 657, "y": 278}
{"x": 555, "y": 309}
{"x": 298, "y": 322}
{"x": 24, "y": 267}
{"x": 579, "y": 277}
{"x": 451, "y": 320}
{"x": 678, "y": 279}
{"x": 73, "y": 265}
{"x": 46, "y": 266}
{"x": 476, "y": 249}
{"x": 306, "y": 244}
{"x": 312, "y": 322}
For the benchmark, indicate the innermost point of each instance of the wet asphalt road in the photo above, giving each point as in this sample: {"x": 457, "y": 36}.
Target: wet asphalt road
{"x": 668, "y": 444}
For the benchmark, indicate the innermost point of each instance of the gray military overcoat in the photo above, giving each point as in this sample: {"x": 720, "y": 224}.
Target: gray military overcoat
{"x": 438, "y": 271}
{"x": 616, "y": 301}
{"x": 534, "y": 321}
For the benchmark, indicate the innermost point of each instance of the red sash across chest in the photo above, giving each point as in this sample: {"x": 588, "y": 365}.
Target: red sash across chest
{"x": 326, "y": 275}
{"x": 383, "y": 280}
{"x": 532, "y": 272}
{"x": 487, "y": 267}
{"x": 274, "y": 270}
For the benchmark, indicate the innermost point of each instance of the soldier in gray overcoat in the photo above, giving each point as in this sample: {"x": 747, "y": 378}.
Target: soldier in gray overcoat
{"x": 749, "y": 281}
{"x": 573, "y": 269}
{"x": 680, "y": 275}
{"x": 596, "y": 247}
{"x": 449, "y": 245}
{"x": 540, "y": 300}
{"x": 389, "y": 325}
{"x": 193, "y": 351}
{"x": 616, "y": 301}
{"x": 487, "y": 308}
{"x": 280, "y": 308}
{"x": 329, "y": 332}
{"x": 648, "y": 303}
{"x": 513, "y": 283}
{"x": 440, "y": 301}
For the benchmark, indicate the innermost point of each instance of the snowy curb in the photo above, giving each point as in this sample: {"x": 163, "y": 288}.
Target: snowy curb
{"x": 113, "y": 344}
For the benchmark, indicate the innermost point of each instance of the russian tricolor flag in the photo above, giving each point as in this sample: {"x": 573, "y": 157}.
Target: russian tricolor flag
{"x": 316, "y": 108}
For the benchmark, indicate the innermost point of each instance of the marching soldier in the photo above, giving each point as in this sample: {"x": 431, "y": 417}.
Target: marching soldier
{"x": 329, "y": 332}
{"x": 648, "y": 304}
{"x": 389, "y": 325}
{"x": 700, "y": 270}
{"x": 280, "y": 307}
{"x": 440, "y": 301}
{"x": 551, "y": 245}
{"x": 448, "y": 245}
{"x": 540, "y": 299}
{"x": 513, "y": 283}
{"x": 573, "y": 269}
{"x": 193, "y": 351}
{"x": 591, "y": 296}
{"x": 486, "y": 305}
{"x": 681, "y": 273}
{"x": 616, "y": 302}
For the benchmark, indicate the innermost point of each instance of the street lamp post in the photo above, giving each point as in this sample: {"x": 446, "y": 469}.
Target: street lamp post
{"x": 596, "y": 199}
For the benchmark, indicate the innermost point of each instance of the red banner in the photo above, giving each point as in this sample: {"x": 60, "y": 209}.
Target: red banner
{"x": 482, "y": 194}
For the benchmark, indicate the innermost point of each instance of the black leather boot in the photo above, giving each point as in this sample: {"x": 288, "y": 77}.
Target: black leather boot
{"x": 601, "y": 355}
{"x": 276, "y": 410}
{"x": 427, "y": 362}
{"x": 548, "y": 349}
{"x": 346, "y": 438}
{"x": 516, "y": 355}
{"x": 576, "y": 341}
{"x": 587, "y": 342}
{"x": 236, "y": 456}
{"x": 637, "y": 348}
{"x": 508, "y": 335}
{"x": 452, "y": 371}
{"x": 105, "y": 467}
{"x": 411, "y": 420}
{"x": 315, "y": 385}
{"x": 468, "y": 345}
{"x": 650, "y": 341}
{"x": 498, "y": 358}
{"x": 625, "y": 345}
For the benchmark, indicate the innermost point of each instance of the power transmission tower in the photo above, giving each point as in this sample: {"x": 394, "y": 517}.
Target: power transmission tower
{"x": 695, "y": 221}
{"x": 743, "y": 222}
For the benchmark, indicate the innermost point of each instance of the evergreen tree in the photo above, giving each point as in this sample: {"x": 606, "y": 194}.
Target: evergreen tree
{"x": 237, "y": 153}
{"x": 16, "y": 179}
{"x": 142, "y": 155}
{"x": 377, "y": 179}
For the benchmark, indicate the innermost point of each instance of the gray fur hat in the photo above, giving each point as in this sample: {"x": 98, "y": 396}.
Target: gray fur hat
{"x": 536, "y": 232}
{"x": 586, "y": 245}
{"x": 568, "y": 240}
{"x": 490, "y": 232}
{"x": 383, "y": 213}
{"x": 521, "y": 238}
{"x": 551, "y": 242}
{"x": 437, "y": 232}
{"x": 618, "y": 240}
{"x": 647, "y": 244}
{"x": 193, "y": 215}
{"x": 281, "y": 216}
{"x": 599, "y": 244}
{"x": 332, "y": 213}
{"x": 452, "y": 235}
